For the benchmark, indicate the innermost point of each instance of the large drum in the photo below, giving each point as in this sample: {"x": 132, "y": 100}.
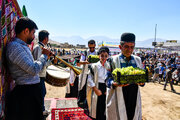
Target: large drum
{"x": 57, "y": 76}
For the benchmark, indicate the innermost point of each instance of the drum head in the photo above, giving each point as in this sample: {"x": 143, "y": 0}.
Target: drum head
{"x": 57, "y": 76}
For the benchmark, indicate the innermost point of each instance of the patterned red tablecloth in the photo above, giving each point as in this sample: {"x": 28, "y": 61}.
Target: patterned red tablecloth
{"x": 68, "y": 114}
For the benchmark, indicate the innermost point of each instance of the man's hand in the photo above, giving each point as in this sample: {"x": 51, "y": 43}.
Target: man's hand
{"x": 119, "y": 85}
{"x": 46, "y": 52}
{"x": 84, "y": 62}
{"x": 55, "y": 60}
{"x": 72, "y": 84}
{"x": 78, "y": 64}
{"x": 97, "y": 91}
{"x": 141, "y": 84}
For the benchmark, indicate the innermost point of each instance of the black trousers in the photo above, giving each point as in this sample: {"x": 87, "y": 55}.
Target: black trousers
{"x": 73, "y": 89}
{"x": 82, "y": 101}
{"x": 24, "y": 103}
{"x": 43, "y": 90}
{"x": 170, "y": 82}
{"x": 130, "y": 98}
{"x": 101, "y": 103}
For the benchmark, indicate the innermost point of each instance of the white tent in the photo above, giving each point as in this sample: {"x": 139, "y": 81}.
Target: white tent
{"x": 113, "y": 47}
{"x": 172, "y": 46}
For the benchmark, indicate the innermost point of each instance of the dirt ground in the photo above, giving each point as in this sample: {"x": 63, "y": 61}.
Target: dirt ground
{"x": 157, "y": 104}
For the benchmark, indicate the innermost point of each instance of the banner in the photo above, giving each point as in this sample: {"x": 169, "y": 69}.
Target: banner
{"x": 9, "y": 14}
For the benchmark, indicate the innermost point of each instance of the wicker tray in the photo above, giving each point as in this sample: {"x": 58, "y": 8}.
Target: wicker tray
{"x": 131, "y": 79}
{"x": 92, "y": 60}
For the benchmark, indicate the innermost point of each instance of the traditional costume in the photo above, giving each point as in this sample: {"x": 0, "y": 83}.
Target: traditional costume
{"x": 82, "y": 102}
{"x": 72, "y": 91}
{"x": 97, "y": 78}
{"x": 124, "y": 103}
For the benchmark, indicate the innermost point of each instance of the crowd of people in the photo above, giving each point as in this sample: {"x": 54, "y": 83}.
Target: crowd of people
{"x": 63, "y": 51}
{"x": 159, "y": 65}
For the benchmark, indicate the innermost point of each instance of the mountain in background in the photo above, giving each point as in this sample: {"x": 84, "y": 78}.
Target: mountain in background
{"x": 148, "y": 43}
{"x": 74, "y": 40}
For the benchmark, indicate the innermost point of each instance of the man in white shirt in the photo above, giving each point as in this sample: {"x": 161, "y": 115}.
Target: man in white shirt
{"x": 37, "y": 52}
{"x": 83, "y": 76}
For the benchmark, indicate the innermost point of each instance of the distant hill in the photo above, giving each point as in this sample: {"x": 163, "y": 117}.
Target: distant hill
{"x": 79, "y": 40}
{"x": 71, "y": 40}
{"x": 82, "y": 41}
{"x": 148, "y": 43}
{"x": 54, "y": 42}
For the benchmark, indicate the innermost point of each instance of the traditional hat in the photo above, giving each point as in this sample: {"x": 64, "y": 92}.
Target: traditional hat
{"x": 128, "y": 37}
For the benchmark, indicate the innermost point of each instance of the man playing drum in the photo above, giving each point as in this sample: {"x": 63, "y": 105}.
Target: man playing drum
{"x": 37, "y": 52}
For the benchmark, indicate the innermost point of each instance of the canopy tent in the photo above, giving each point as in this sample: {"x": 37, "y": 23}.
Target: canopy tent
{"x": 108, "y": 44}
{"x": 113, "y": 47}
{"x": 172, "y": 46}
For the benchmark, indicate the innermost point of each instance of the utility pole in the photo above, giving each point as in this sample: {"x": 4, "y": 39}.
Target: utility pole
{"x": 155, "y": 43}
{"x": 155, "y": 33}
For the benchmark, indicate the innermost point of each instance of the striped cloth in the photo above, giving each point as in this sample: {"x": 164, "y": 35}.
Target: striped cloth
{"x": 125, "y": 63}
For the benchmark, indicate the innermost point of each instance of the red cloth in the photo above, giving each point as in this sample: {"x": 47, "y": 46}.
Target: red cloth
{"x": 31, "y": 46}
{"x": 68, "y": 114}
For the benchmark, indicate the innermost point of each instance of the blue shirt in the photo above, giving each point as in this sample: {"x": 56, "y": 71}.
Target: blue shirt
{"x": 22, "y": 67}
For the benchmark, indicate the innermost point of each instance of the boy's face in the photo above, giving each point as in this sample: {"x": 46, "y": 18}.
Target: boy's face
{"x": 103, "y": 56}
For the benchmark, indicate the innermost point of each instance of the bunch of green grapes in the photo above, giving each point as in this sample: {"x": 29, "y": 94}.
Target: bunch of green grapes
{"x": 93, "y": 58}
{"x": 129, "y": 75}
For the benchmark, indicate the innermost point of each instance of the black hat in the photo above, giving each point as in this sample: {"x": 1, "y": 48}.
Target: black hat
{"x": 128, "y": 37}
{"x": 103, "y": 49}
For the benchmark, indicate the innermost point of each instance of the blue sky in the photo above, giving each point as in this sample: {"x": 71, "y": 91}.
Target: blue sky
{"x": 109, "y": 18}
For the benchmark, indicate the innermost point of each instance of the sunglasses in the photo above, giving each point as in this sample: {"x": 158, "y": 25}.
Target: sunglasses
{"x": 127, "y": 47}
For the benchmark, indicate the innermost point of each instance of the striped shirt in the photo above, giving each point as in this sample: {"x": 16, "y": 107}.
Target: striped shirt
{"x": 22, "y": 67}
{"x": 124, "y": 63}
